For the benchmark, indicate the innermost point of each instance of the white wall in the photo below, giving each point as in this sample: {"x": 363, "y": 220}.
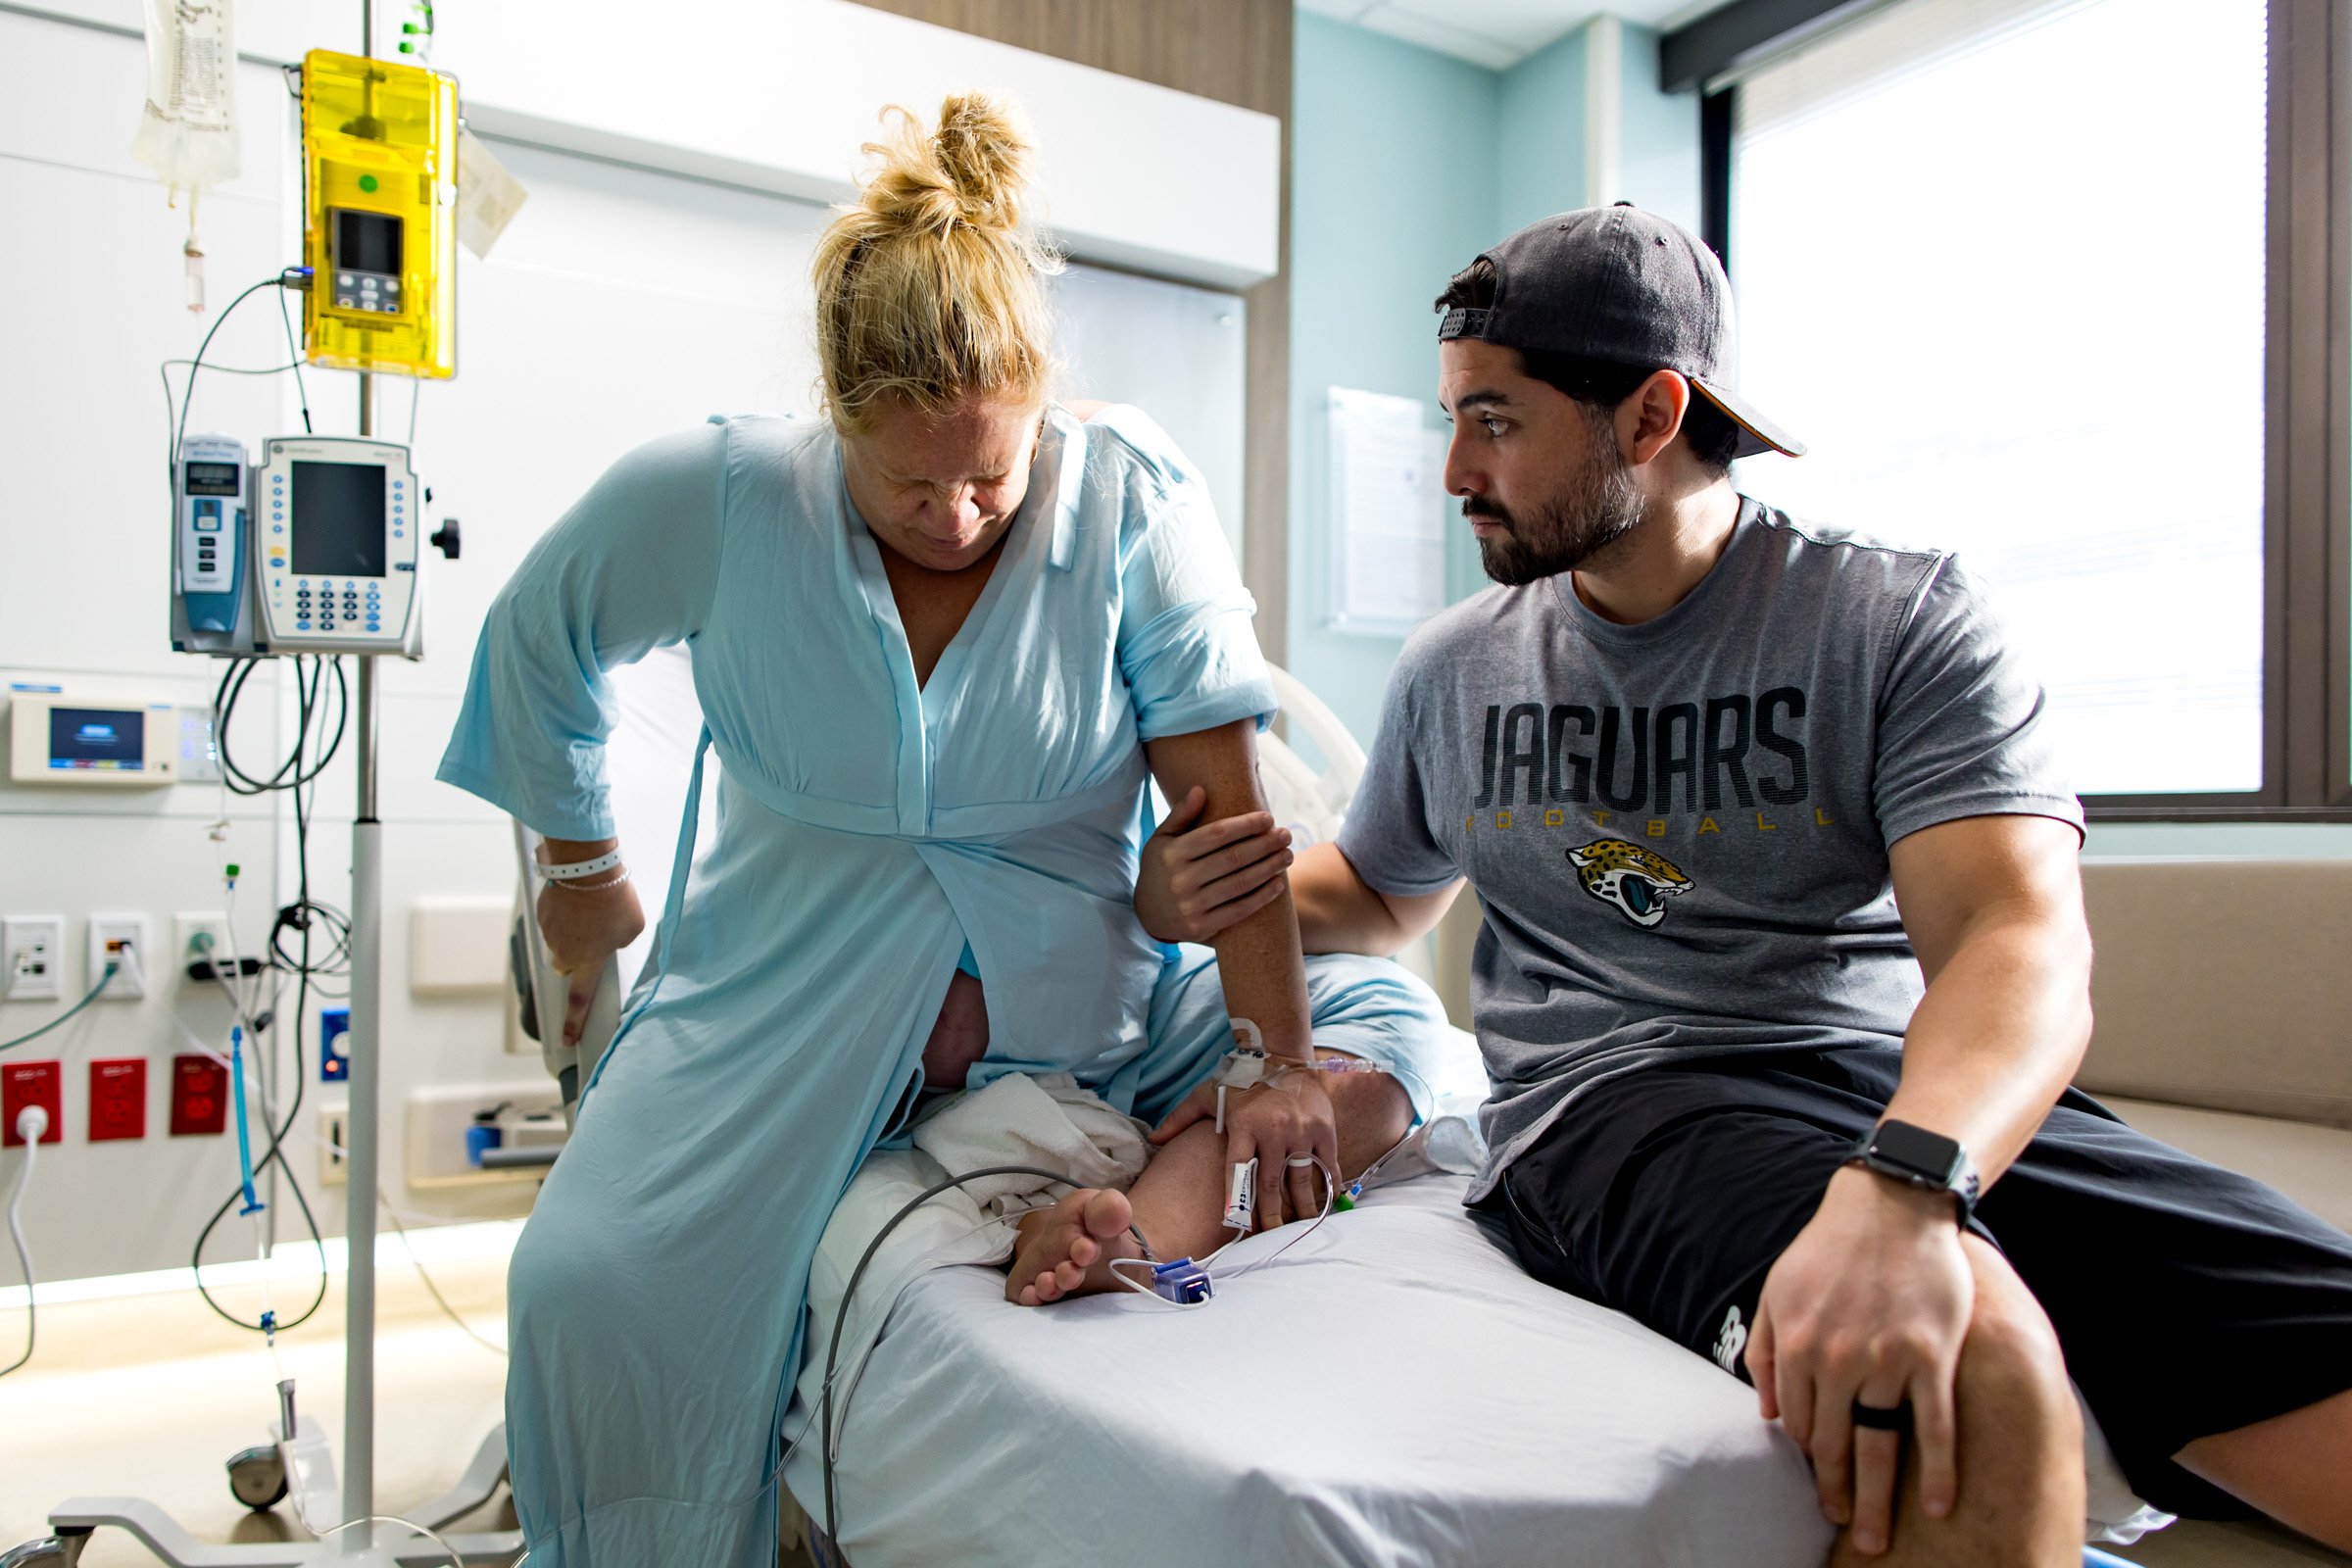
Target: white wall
{"x": 622, "y": 302}
{"x": 778, "y": 94}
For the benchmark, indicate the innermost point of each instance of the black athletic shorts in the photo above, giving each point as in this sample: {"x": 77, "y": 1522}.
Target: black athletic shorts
{"x": 2188, "y": 1299}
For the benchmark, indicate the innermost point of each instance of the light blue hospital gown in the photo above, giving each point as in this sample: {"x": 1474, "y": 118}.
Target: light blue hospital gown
{"x": 867, "y": 832}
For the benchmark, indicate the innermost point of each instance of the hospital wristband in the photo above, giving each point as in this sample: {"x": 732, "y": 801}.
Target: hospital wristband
{"x": 578, "y": 868}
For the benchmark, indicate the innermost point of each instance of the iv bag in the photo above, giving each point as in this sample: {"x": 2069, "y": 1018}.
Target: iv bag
{"x": 188, "y": 128}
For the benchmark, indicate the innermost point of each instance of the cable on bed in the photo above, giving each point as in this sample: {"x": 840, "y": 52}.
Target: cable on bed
{"x": 829, "y": 1436}
{"x": 1181, "y": 1284}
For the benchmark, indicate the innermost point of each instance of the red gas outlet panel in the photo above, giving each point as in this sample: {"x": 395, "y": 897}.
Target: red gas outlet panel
{"x": 117, "y": 1099}
{"x": 31, "y": 1083}
{"x": 199, "y": 1095}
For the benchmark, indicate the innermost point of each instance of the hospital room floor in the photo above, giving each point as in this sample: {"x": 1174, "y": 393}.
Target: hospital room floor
{"x": 146, "y": 1397}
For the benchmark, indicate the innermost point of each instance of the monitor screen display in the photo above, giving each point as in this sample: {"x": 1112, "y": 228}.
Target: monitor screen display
{"x": 97, "y": 737}
{"x": 213, "y": 479}
{"x": 338, "y": 519}
{"x": 367, "y": 242}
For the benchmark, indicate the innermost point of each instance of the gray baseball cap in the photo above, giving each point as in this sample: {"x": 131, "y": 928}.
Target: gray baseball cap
{"x": 1620, "y": 284}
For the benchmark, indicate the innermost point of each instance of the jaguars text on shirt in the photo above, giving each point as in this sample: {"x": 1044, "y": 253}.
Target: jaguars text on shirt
{"x": 1733, "y": 764}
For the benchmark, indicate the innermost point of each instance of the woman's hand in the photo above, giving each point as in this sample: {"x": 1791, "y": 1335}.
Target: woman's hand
{"x": 584, "y": 926}
{"x": 1194, "y": 882}
{"x": 1276, "y": 1120}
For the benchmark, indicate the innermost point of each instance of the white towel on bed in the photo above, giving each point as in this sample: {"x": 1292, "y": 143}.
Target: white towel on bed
{"x": 1046, "y": 1121}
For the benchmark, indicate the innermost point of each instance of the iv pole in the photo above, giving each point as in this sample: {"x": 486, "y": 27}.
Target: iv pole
{"x": 307, "y": 1461}
{"x": 367, "y": 1039}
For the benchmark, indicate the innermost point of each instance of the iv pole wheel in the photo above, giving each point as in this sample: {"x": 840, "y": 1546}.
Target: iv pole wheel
{"x": 61, "y": 1550}
{"x": 258, "y": 1478}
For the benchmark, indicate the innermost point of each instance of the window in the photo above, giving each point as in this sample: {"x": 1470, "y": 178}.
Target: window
{"x": 2013, "y": 268}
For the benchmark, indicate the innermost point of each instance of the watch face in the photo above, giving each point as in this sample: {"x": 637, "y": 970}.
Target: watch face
{"x": 1915, "y": 1149}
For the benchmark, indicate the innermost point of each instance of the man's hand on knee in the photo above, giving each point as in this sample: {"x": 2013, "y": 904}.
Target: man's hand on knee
{"x": 1869, "y": 1306}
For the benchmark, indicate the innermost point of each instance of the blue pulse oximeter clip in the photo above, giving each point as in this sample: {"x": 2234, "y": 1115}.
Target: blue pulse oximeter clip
{"x": 1181, "y": 1280}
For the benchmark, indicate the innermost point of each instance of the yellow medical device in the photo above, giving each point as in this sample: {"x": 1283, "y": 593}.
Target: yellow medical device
{"x": 379, "y": 146}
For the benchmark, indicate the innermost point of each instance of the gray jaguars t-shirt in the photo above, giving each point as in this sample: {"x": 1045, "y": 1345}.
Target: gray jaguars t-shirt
{"x": 1678, "y": 829}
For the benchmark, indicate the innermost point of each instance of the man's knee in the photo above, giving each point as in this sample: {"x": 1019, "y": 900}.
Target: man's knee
{"x": 2011, "y": 1362}
{"x": 2021, "y": 1444}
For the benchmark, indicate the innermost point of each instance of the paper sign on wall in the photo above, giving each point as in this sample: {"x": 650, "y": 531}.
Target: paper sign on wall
{"x": 1388, "y": 512}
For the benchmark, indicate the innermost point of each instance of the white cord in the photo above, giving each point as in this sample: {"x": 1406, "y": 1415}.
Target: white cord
{"x": 857, "y": 1374}
{"x": 380, "y": 1519}
{"x": 32, "y": 1123}
{"x": 418, "y": 1264}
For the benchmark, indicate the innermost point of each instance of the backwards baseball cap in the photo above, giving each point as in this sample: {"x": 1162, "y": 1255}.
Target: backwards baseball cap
{"x": 1622, "y": 285}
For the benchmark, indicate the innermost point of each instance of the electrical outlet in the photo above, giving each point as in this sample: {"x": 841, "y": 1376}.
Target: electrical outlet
{"x": 31, "y": 1083}
{"x": 199, "y": 1096}
{"x": 333, "y": 1133}
{"x": 110, "y": 935}
{"x": 31, "y": 946}
{"x": 196, "y": 937}
{"x": 117, "y": 1099}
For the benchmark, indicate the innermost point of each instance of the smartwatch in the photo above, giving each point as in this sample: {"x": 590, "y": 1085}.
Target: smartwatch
{"x": 1917, "y": 1158}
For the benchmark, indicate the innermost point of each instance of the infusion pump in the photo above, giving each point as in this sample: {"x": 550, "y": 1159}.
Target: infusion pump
{"x": 329, "y": 543}
{"x": 336, "y": 523}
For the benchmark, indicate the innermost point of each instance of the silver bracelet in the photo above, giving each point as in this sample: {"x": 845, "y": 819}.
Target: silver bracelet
{"x": 573, "y": 885}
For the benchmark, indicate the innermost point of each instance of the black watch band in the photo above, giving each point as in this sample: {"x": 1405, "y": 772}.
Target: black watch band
{"x": 1917, "y": 1158}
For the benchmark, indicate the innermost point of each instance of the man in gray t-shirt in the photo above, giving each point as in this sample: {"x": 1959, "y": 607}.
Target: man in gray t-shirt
{"x": 1784, "y": 967}
{"x": 1679, "y": 830}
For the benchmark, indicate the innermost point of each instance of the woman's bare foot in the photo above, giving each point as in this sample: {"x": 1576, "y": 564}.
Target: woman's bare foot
{"x": 1067, "y": 1250}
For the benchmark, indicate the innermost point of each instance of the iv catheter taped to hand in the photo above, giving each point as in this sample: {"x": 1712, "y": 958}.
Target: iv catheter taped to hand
{"x": 1248, "y": 1065}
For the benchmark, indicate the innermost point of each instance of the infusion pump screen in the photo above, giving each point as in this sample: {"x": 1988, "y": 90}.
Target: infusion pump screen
{"x": 213, "y": 479}
{"x": 367, "y": 242}
{"x": 338, "y": 519}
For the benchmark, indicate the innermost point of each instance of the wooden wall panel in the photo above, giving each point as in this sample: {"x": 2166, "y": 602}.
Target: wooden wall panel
{"x": 1238, "y": 52}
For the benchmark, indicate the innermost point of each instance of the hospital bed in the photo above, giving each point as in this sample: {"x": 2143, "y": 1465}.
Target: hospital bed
{"x": 1396, "y": 1390}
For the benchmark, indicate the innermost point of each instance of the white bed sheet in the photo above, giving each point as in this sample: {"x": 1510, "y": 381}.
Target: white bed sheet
{"x": 1393, "y": 1390}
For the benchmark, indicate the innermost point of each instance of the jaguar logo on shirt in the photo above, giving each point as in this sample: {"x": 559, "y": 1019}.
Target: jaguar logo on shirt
{"x": 1636, "y": 881}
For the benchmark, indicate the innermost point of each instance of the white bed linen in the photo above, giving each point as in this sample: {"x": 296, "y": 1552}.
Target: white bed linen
{"x": 1393, "y": 1390}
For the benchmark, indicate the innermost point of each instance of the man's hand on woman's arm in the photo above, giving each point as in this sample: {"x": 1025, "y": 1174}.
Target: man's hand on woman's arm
{"x": 1198, "y": 880}
{"x": 585, "y": 922}
{"x": 1873, "y": 1299}
{"x": 1265, "y": 982}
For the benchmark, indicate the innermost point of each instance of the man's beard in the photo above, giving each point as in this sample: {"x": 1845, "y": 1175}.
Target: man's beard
{"x": 1601, "y": 506}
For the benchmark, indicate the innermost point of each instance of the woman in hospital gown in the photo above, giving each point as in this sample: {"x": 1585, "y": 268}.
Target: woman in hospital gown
{"x": 875, "y": 832}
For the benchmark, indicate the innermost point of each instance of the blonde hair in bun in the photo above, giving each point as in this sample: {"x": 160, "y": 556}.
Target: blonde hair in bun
{"x": 927, "y": 288}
